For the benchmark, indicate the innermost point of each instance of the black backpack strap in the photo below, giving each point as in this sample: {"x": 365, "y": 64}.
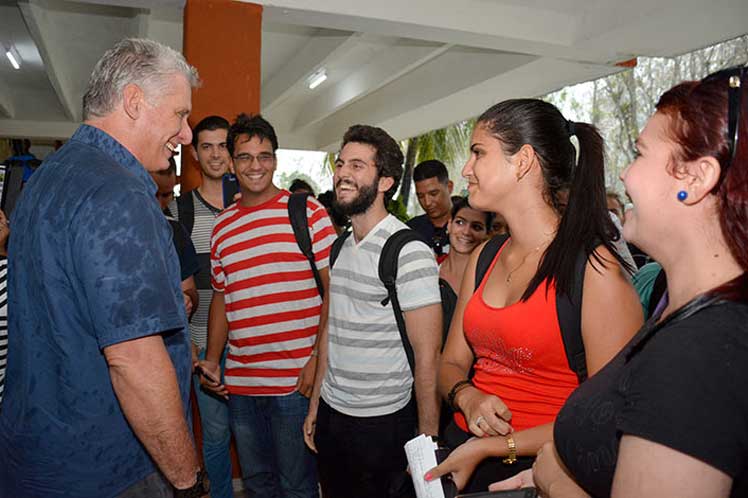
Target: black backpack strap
{"x": 388, "y": 275}
{"x": 186, "y": 211}
{"x": 337, "y": 245}
{"x": 569, "y": 309}
{"x": 299, "y": 223}
{"x": 658, "y": 289}
{"x": 486, "y": 256}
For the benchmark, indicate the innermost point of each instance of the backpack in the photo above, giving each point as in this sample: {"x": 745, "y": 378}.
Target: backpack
{"x": 299, "y": 224}
{"x": 568, "y": 307}
{"x": 388, "y": 275}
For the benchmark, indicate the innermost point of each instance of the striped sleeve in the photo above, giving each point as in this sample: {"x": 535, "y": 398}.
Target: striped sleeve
{"x": 417, "y": 277}
{"x": 3, "y": 322}
{"x": 322, "y": 232}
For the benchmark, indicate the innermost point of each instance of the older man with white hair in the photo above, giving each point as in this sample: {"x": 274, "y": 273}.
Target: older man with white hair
{"x": 99, "y": 365}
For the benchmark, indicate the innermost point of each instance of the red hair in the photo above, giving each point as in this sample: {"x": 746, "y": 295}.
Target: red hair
{"x": 698, "y": 115}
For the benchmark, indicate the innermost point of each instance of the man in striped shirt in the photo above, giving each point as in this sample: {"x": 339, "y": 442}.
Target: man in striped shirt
{"x": 362, "y": 410}
{"x": 197, "y": 211}
{"x": 267, "y": 302}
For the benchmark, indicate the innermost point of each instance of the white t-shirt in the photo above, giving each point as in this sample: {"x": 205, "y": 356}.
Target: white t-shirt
{"x": 368, "y": 373}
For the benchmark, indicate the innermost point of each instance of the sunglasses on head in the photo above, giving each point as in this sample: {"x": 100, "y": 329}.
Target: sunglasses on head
{"x": 734, "y": 77}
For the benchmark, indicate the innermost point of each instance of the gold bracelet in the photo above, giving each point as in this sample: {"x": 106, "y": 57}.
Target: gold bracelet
{"x": 511, "y": 458}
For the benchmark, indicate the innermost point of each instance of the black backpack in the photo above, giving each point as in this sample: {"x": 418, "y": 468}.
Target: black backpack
{"x": 388, "y": 275}
{"x": 296, "y": 213}
{"x": 568, "y": 307}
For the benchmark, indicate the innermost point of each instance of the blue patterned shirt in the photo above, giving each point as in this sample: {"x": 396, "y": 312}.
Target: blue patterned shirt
{"x": 91, "y": 264}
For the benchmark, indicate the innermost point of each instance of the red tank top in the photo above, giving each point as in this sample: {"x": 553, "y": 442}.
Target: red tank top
{"x": 519, "y": 355}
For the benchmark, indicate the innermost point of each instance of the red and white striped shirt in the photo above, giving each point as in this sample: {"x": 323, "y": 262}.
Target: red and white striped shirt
{"x": 272, "y": 302}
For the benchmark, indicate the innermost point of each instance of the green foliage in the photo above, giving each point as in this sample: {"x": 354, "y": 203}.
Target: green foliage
{"x": 397, "y": 209}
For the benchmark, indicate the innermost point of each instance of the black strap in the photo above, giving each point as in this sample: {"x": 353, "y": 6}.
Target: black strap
{"x": 486, "y": 256}
{"x": 186, "y": 211}
{"x": 658, "y": 290}
{"x": 336, "y": 246}
{"x": 299, "y": 223}
{"x": 568, "y": 308}
{"x": 388, "y": 275}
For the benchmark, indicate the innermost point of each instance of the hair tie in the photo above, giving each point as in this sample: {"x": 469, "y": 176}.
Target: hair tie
{"x": 571, "y": 128}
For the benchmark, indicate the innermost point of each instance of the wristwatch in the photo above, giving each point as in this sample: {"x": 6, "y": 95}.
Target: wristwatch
{"x": 198, "y": 490}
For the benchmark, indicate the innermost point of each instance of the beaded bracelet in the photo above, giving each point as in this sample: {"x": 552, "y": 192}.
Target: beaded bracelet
{"x": 459, "y": 386}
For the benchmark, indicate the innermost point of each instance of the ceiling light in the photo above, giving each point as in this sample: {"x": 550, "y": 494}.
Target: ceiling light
{"x": 317, "y": 78}
{"x": 13, "y": 57}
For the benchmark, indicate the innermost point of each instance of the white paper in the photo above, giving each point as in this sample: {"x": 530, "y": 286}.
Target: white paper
{"x": 421, "y": 453}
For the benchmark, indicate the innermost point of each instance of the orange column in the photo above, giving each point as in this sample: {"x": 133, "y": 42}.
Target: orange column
{"x": 222, "y": 39}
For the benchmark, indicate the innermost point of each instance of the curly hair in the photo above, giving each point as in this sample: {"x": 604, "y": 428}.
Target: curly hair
{"x": 388, "y": 159}
{"x": 252, "y": 126}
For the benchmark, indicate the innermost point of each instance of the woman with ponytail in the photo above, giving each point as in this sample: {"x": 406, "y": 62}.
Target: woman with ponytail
{"x": 524, "y": 166}
{"x": 674, "y": 399}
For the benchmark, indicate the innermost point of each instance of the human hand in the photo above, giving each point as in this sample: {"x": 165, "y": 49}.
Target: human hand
{"x": 195, "y": 354}
{"x": 305, "y": 382}
{"x": 550, "y": 473}
{"x": 310, "y": 426}
{"x": 522, "y": 480}
{"x": 4, "y": 232}
{"x": 188, "y": 304}
{"x": 210, "y": 378}
{"x": 462, "y": 462}
{"x": 486, "y": 414}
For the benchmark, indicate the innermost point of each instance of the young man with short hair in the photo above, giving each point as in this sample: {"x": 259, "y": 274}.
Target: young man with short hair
{"x": 434, "y": 190}
{"x": 197, "y": 211}
{"x": 363, "y": 409}
{"x": 266, "y": 301}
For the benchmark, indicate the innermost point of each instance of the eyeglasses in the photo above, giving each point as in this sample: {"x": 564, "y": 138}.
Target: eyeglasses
{"x": 734, "y": 78}
{"x": 265, "y": 158}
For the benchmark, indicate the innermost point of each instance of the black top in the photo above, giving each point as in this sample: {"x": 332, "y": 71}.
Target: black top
{"x": 682, "y": 385}
{"x": 436, "y": 238}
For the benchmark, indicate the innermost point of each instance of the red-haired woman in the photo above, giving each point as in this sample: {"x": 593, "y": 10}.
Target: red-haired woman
{"x": 668, "y": 417}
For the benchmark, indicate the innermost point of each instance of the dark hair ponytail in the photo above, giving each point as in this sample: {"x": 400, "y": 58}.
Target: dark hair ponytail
{"x": 585, "y": 222}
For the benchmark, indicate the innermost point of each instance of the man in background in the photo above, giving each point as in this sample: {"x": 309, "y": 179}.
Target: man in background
{"x": 434, "y": 190}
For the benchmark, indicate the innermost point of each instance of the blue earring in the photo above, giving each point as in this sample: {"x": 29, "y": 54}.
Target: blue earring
{"x": 682, "y": 195}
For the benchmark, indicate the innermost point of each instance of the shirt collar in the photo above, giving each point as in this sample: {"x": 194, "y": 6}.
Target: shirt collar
{"x": 100, "y": 139}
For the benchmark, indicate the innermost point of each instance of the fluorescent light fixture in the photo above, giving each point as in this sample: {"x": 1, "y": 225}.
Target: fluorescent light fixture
{"x": 13, "y": 57}
{"x": 317, "y": 78}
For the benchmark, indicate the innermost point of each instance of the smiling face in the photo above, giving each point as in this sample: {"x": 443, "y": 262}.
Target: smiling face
{"x": 212, "y": 154}
{"x": 254, "y": 163}
{"x": 356, "y": 179}
{"x": 466, "y": 230}
{"x": 161, "y": 124}
{"x": 651, "y": 187}
{"x": 488, "y": 171}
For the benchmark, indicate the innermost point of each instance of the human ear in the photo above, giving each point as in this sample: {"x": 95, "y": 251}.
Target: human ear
{"x": 700, "y": 177}
{"x": 523, "y": 160}
{"x": 385, "y": 183}
{"x": 133, "y": 100}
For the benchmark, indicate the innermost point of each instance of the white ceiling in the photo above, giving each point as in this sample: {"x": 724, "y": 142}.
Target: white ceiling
{"x": 407, "y": 65}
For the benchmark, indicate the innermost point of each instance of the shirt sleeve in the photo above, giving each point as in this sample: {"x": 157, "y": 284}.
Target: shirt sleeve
{"x": 417, "y": 277}
{"x": 687, "y": 388}
{"x": 321, "y": 231}
{"x": 217, "y": 276}
{"x": 127, "y": 266}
